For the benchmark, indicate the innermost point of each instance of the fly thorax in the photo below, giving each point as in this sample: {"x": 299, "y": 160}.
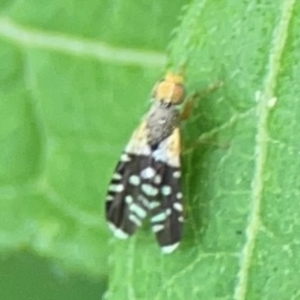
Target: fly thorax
{"x": 161, "y": 121}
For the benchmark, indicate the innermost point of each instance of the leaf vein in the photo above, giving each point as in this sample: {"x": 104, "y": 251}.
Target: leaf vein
{"x": 190, "y": 267}
{"x": 280, "y": 34}
{"x": 33, "y": 38}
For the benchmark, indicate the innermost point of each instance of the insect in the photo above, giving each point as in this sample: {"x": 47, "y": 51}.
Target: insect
{"x": 146, "y": 180}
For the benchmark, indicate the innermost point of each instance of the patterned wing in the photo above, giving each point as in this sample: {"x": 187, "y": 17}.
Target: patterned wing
{"x": 126, "y": 203}
{"x": 167, "y": 210}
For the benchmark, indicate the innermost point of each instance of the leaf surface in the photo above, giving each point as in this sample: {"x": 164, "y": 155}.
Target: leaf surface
{"x": 241, "y": 182}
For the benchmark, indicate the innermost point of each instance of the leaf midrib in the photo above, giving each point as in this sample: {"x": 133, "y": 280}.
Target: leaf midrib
{"x": 261, "y": 145}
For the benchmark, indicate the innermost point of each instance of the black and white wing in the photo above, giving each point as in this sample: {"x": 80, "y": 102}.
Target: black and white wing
{"x": 146, "y": 181}
{"x": 126, "y": 204}
{"x": 167, "y": 210}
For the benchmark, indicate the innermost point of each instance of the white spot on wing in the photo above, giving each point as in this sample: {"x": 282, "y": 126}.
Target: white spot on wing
{"x": 177, "y": 206}
{"x": 179, "y": 195}
{"x": 170, "y": 248}
{"x": 176, "y": 174}
{"x": 128, "y": 199}
{"x": 134, "y": 180}
{"x": 135, "y": 220}
{"x": 118, "y": 233}
{"x": 154, "y": 204}
{"x": 125, "y": 157}
{"x": 109, "y": 198}
{"x": 150, "y": 190}
{"x": 148, "y": 173}
{"x": 166, "y": 190}
{"x": 157, "y": 227}
{"x": 168, "y": 211}
{"x": 144, "y": 201}
{"x": 159, "y": 217}
{"x": 116, "y": 188}
{"x": 116, "y": 176}
{"x": 140, "y": 212}
{"x": 157, "y": 179}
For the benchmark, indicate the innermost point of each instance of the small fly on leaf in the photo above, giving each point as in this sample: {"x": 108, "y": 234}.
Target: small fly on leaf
{"x": 146, "y": 180}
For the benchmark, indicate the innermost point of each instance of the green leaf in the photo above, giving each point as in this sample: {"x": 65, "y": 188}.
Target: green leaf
{"x": 241, "y": 183}
{"x": 73, "y": 79}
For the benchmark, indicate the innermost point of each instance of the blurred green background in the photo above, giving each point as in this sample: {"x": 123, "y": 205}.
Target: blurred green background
{"x": 74, "y": 82}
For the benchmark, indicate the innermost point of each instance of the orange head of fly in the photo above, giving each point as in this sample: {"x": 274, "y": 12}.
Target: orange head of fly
{"x": 170, "y": 89}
